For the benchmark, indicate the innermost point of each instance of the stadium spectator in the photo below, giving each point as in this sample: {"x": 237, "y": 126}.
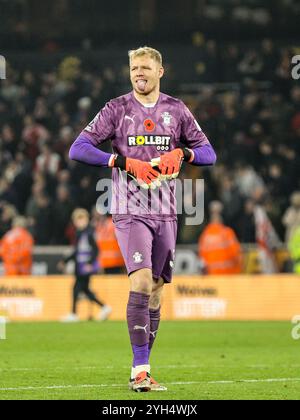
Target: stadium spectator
{"x": 62, "y": 210}
{"x": 7, "y": 214}
{"x": 248, "y": 180}
{"x": 246, "y": 229}
{"x": 41, "y": 220}
{"x": 230, "y": 61}
{"x": 232, "y": 201}
{"x": 267, "y": 240}
{"x": 218, "y": 246}
{"x": 291, "y": 218}
{"x": 86, "y": 193}
{"x": 9, "y": 140}
{"x": 294, "y": 248}
{"x": 33, "y": 135}
{"x": 269, "y": 59}
{"x": 48, "y": 161}
{"x": 16, "y": 248}
{"x": 110, "y": 258}
{"x": 7, "y": 194}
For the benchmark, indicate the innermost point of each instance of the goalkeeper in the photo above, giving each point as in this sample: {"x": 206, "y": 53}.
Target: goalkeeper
{"x": 146, "y": 128}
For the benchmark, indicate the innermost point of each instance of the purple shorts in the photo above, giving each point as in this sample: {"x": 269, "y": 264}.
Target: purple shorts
{"x": 147, "y": 243}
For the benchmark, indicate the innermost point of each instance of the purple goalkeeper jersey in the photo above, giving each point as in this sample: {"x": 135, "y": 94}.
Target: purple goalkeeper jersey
{"x": 144, "y": 133}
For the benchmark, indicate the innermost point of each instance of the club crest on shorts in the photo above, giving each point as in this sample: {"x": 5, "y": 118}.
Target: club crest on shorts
{"x": 137, "y": 257}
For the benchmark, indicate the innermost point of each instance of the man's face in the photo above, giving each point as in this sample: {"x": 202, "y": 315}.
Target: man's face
{"x": 81, "y": 222}
{"x": 145, "y": 74}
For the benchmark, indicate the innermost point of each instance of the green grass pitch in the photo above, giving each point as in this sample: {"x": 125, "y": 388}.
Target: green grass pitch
{"x": 195, "y": 360}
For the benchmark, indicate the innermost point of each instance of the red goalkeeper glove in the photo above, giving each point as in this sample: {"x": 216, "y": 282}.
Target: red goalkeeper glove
{"x": 142, "y": 172}
{"x": 170, "y": 163}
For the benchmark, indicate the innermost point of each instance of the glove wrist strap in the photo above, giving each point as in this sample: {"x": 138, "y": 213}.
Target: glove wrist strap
{"x": 188, "y": 155}
{"x": 119, "y": 162}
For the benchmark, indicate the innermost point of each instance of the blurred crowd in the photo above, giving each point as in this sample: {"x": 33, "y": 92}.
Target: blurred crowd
{"x": 253, "y": 125}
{"x": 61, "y": 24}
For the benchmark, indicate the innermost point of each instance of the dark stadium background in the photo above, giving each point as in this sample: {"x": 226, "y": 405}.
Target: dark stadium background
{"x": 229, "y": 60}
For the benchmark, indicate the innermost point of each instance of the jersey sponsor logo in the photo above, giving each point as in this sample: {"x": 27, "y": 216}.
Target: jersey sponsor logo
{"x": 161, "y": 142}
{"x": 167, "y": 118}
{"x": 149, "y": 125}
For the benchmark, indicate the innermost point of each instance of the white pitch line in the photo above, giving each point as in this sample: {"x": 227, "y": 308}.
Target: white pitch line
{"x": 229, "y": 382}
{"x": 74, "y": 368}
{"x": 59, "y": 368}
{"x": 237, "y": 381}
{"x": 55, "y": 368}
{"x": 33, "y": 388}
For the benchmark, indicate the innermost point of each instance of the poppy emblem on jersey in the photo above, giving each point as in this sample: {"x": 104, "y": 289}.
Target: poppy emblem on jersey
{"x": 149, "y": 124}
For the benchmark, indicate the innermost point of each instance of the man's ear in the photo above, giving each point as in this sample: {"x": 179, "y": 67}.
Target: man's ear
{"x": 161, "y": 72}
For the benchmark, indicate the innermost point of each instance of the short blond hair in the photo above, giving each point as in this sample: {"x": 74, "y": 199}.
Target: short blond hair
{"x": 78, "y": 213}
{"x": 151, "y": 52}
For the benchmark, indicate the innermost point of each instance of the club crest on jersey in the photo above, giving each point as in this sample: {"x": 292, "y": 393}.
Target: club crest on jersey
{"x": 167, "y": 118}
{"x": 149, "y": 125}
{"x": 161, "y": 142}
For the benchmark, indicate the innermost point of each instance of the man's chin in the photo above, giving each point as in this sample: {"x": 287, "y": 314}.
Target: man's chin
{"x": 148, "y": 89}
{"x": 142, "y": 92}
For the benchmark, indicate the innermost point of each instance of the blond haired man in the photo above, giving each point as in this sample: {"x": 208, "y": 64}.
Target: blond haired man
{"x": 146, "y": 128}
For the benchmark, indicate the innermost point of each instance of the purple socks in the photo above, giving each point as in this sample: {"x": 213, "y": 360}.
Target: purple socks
{"x": 143, "y": 325}
{"x": 154, "y": 324}
{"x": 138, "y": 320}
